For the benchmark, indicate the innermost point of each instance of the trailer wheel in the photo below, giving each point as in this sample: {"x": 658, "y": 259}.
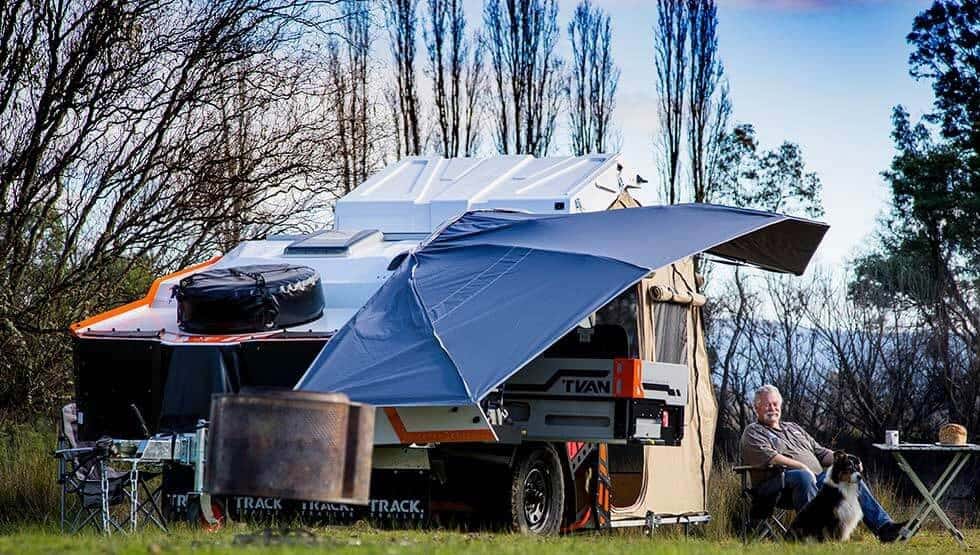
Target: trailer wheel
{"x": 537, "y": 493}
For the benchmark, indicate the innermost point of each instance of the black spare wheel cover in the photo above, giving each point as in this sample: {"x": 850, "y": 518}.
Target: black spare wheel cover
{"x": 245, "y": 299}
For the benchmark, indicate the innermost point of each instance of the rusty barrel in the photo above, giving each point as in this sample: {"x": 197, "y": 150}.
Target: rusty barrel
{"x": 290, "y": 444}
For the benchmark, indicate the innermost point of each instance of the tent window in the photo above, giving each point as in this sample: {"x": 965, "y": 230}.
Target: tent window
{"x": 621, "y": 312}
{"x": 670, "y": 327}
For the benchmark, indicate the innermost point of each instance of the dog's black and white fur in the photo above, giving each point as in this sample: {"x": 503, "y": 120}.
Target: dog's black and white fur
{"x": 834, "y": 513}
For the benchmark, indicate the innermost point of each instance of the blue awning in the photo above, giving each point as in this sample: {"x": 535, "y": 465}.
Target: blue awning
{"x": 494, "y": 289}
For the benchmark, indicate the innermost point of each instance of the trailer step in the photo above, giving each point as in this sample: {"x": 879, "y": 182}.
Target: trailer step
{"x": 652, "y": 520}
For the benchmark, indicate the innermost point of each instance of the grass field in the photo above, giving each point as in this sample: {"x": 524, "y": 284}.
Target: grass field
{"x": 365, "y": 540}
{"x": 28, "y": 517}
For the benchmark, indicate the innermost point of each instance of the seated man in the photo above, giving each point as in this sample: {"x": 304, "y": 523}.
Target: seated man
{"x": 771, "y": 442}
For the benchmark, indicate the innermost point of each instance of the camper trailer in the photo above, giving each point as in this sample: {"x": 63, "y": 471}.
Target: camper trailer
{"x": 610, "y": 424}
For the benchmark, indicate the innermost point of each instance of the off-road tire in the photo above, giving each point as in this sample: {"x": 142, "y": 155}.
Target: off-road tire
{"x": 537, "y": 492}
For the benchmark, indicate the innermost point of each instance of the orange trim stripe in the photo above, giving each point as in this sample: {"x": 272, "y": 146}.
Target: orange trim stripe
{"x": 443, "y": 436}
{"x": 145, "y": 301}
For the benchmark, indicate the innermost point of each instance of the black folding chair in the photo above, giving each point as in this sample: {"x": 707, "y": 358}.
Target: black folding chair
{"x": 89, "y": 487}
{"x": 95, "y": 494}
{"x": 765, "y": 505}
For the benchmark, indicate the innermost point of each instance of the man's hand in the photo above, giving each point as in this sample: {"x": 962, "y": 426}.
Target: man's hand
{"x": 788, "y": 462}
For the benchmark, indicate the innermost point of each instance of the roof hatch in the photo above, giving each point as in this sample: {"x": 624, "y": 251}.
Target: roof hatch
{"x": 330, "y": 242}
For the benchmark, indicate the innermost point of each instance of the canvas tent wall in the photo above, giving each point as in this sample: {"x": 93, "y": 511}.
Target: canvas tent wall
{"x": 674, "y": 479}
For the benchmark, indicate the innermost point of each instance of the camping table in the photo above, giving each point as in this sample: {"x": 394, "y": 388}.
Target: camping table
{"x": 931, "y": 497}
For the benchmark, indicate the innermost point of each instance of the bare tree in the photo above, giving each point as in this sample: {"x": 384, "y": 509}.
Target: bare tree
{"x": 728, "y": 319}
{"x": 594, "y": 79}
{"x": 879, "y": 365}
{"x": 348, "y": 70}
{"x": 526, "y": 72}
{"x": 785, "y": 349}
{"x": 475, "y": 83}
{"x": 717, "y": 134}
{"x": 140, "y": 137}
{"x": 394, "y": 114}
{"x": 401, "y": 21}
{"x": 708, "y": 106}
{"x": 455, "y": 66}
{"x": 671, "y": 60}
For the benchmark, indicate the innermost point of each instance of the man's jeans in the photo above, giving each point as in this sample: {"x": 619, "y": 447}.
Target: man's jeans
{"x": 804, "y": 489}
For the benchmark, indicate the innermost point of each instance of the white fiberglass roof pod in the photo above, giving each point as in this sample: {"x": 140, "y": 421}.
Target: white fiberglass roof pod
{"x": 388, "y": 215}
{"x": 417, "y": 194}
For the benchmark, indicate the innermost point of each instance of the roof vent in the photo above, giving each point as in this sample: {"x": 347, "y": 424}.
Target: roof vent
{"x": 327, "y": 243}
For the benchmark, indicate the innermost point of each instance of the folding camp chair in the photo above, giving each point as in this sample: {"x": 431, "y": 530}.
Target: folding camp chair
{"x": 91, "y": 489}
{"x": 765, "y": 505}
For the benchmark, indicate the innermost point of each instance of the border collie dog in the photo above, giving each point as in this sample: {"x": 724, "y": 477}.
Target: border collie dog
{"x": 834, "y": 513}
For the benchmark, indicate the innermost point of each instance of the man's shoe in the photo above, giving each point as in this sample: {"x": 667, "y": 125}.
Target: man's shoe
{"x": 890, "y": 530}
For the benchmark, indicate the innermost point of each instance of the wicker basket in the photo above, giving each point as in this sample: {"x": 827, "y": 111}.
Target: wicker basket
{"x": 952, "y": 434}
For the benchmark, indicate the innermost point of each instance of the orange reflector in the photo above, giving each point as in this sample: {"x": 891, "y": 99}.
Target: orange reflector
{"x": 628, "y": 378}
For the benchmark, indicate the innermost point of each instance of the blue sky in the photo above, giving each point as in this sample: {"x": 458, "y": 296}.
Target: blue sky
{"x": 824, "y": 74}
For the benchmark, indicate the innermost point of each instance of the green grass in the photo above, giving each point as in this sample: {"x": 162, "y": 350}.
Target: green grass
{"x": 364, "y": 540}
{"x": 29, "y": 501}
{"x": 28, "y": 491}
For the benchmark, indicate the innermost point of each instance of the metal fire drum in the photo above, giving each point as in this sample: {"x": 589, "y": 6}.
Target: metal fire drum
{"x": 290, "y": 444}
